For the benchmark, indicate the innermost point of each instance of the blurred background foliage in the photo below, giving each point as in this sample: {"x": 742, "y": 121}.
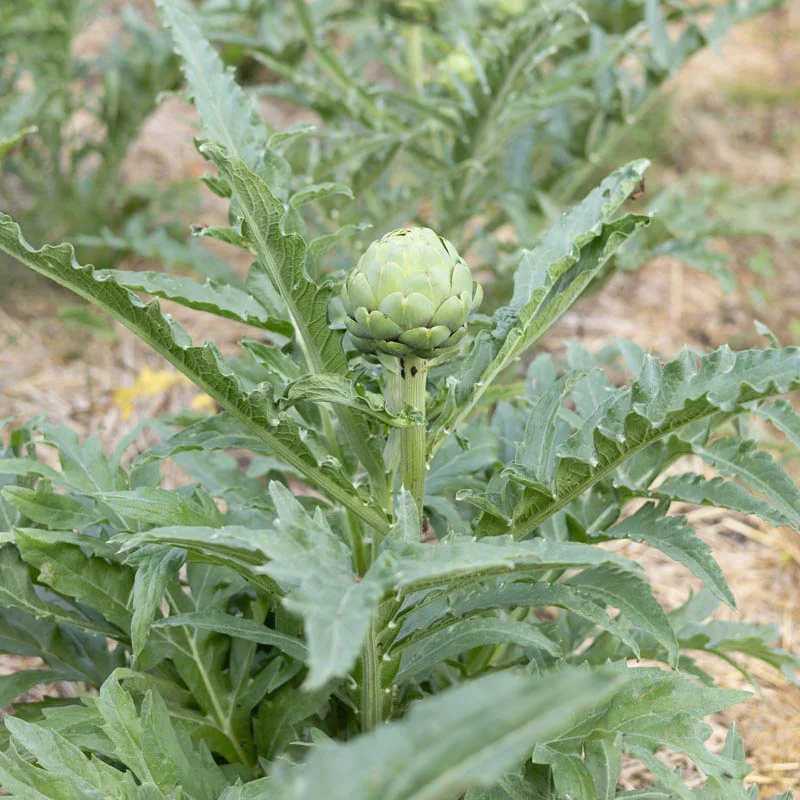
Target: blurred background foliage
{"x": 401, "y": 92}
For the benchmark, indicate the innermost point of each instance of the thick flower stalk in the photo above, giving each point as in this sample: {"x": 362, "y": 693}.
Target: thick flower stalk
{"x": 410, "y": 296}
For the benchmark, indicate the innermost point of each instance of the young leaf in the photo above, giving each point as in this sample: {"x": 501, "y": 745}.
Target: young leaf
{"x": 310, "y": 564}
{"x": 225, "y": 112}
{"x": 548, "y": 280}
{"x": 155, "y": 568}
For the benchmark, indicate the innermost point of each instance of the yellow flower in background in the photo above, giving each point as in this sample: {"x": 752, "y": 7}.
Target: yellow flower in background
{"x": 204, "y": 403}
{"x": 149, "y": 382}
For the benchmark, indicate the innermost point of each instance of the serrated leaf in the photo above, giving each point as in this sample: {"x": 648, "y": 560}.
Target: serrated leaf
{"x": 122, "y": 726}
{"x": 54, "y": 511}
{"x": 570, "y": 774}
{"x": 721, "y": 637}
{"x": 673, "y": 537}
{"x": 100, "y": 584}
{"x": 17, "y": 683}
{"x": 633, "y": 597}
{"x": 692, "y": 488}
{"x": 660, "y": 402}
{"x": 338, "y": 390}
{"x": 72, "y": 656}
{"x": 741, "y": 459}
{"x": 155, "y": 568}
{"x": 176, "y": 765}
{"x": 281, "y": 257}
{"x": 311, "y": 565}
{"x": 322, "y": 244}
{"x": 65, "y": 764}
{"x": 542, "y": 595}
{"x": 536, "y": 453}
{"x": 460, "y": 559}
{"x": 783, "y": 416}
{"x": 548, "y": 280}
{"x": 203, "y": 365}
{"x": 225, "y": 112}
{"x": 652, "y": 694}
{"x": 319, "y": 191}
{"x": 160, "y": 507}
{"x": 406, "y": 525}
{"x": 212, "y": 297}
{"x": 603, "y": 757}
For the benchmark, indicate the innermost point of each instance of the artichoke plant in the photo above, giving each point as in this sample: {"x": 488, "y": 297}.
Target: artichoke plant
{"x": 410, "y": 294}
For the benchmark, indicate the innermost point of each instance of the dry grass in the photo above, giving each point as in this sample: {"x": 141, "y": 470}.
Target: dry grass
{"x": 48, "y": 367}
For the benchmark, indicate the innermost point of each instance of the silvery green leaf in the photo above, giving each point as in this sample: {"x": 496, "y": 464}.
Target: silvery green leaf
{"x": 211, "y": 296}
{"x": 692, "y": 488}
{"x": 782, "y": 415}
{"x": 677, "y": 540}
{"x": 548, "y": 280}
{"x": 203, "y": 365}
{"x": 155, "y": 568}
{"x": 240, "y": 627}
{"x": 225, "y": 111}
{"x": 662, "y": 401}
{"x": 319, "y": 191}
{"x": 55, "y": 511}
{"x": 493, "y": 723}
{"x": 89, "y": 579}
{"x": 742, "y": 460}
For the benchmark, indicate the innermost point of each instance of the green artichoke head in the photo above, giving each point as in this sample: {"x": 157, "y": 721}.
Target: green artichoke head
{"x": 410, "y": 294}
{"x": 458, "y": 63}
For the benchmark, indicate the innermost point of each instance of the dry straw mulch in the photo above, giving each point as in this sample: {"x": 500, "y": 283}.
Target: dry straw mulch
{"x": 76, "y": 380}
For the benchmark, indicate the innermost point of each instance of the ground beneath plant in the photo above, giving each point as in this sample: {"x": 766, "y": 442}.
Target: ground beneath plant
{"x": 105, "y": 387}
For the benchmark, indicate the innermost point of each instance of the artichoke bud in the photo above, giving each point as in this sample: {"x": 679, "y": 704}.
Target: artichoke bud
{"x": 459, "y": 64}
{"x": 410, "y": 294}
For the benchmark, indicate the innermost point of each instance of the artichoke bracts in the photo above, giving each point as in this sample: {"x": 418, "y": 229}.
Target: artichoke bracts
{"x": 410, "y": 294}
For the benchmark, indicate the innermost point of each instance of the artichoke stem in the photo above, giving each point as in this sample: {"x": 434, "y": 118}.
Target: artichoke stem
{"x": 416, "y": 58}
{"x": 414, "y": 373}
